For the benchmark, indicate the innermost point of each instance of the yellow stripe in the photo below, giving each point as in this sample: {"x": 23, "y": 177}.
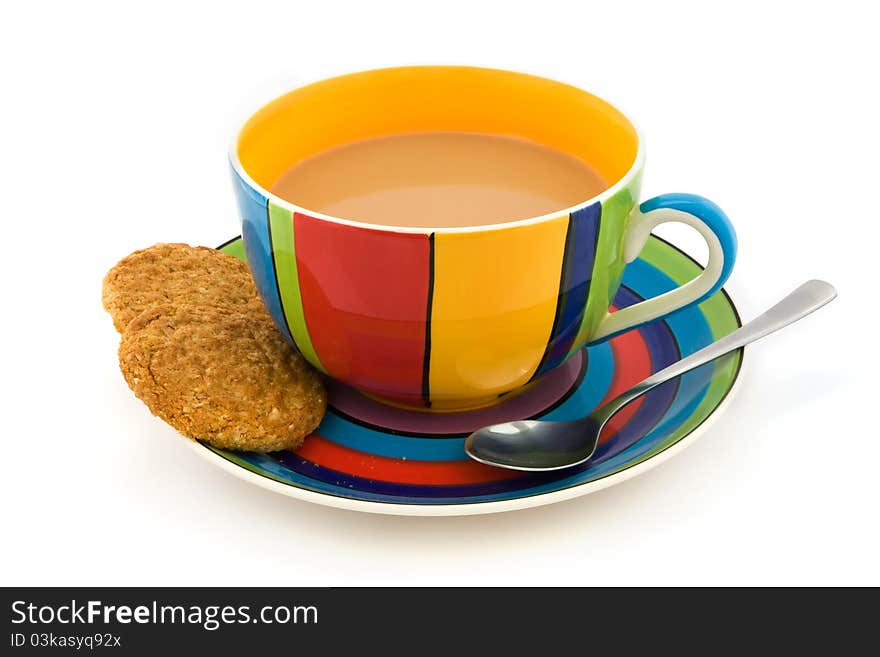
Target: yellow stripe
{"x": 494, "y": 302}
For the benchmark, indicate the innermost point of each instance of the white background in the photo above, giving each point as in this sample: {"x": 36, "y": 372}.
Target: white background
{"x": 114, "y": 130}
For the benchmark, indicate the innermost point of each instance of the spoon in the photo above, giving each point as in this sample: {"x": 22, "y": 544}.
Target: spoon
{"x": 536, "y": 445}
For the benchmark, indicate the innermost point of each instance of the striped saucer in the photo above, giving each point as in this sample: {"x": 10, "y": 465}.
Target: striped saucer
{"x": 370, "y": 457}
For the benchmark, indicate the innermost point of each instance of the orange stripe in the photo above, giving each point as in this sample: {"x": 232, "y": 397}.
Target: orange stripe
{"x": 432, "y": 473}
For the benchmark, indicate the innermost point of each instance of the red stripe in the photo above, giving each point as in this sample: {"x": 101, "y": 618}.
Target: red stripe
{"x": 632, "y": 363}
{"x": 432, "y": 473}
{"x": 365, "y": 303}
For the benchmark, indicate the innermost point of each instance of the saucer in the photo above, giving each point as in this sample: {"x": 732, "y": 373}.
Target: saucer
{"x": 366, "y": 456}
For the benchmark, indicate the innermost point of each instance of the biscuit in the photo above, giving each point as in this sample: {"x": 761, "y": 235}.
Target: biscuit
{"x": 178, "y": 274}
{"x": 222, "y": 376}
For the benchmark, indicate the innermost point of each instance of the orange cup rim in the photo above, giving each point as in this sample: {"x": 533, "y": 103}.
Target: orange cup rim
{"x": 276, "y": 200}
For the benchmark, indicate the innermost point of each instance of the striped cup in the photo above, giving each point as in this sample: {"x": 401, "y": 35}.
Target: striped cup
{"x": 454, "y": 318}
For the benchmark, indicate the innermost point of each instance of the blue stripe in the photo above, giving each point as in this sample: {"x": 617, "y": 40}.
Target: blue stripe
{"x": 578, "y": 263}
{"x": 253, "y": 208}
{"x": 600, "y": 372}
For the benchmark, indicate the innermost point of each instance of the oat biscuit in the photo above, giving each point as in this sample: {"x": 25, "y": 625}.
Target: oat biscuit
{"x": 222, "y": 376}
{"x": 178, "y": 274}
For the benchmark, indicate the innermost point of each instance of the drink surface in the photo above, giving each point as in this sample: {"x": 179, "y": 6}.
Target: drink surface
{"x": 439, "y": 179}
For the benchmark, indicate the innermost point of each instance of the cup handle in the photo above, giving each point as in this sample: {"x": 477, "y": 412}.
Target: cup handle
{"x": 699, "y": 213}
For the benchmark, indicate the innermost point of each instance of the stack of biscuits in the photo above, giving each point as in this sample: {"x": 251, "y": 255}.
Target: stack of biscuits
{"x": 200, "y": 350}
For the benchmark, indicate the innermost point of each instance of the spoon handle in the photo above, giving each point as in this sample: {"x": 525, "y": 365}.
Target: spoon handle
{"x": 807, "y": 298}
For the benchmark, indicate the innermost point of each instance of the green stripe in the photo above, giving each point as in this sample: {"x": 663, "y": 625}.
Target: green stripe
{"x": 284, "y": 255}
{"x": 235, "y": 248}
{"x": 608, "y": 266}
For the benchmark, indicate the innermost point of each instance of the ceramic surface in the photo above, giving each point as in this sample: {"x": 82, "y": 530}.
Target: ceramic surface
{"x": 371, "y": 457}
{"x": 455, "y": 318}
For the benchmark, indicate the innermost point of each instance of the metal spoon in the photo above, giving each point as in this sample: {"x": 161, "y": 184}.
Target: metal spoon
{"x": 538, "y": 445}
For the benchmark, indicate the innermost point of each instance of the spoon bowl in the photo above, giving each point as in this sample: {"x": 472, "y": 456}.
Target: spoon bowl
{"x": 534, "y": 445}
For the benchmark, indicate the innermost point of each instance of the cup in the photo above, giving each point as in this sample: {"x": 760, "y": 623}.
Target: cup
{"x": 453, "y": 318}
